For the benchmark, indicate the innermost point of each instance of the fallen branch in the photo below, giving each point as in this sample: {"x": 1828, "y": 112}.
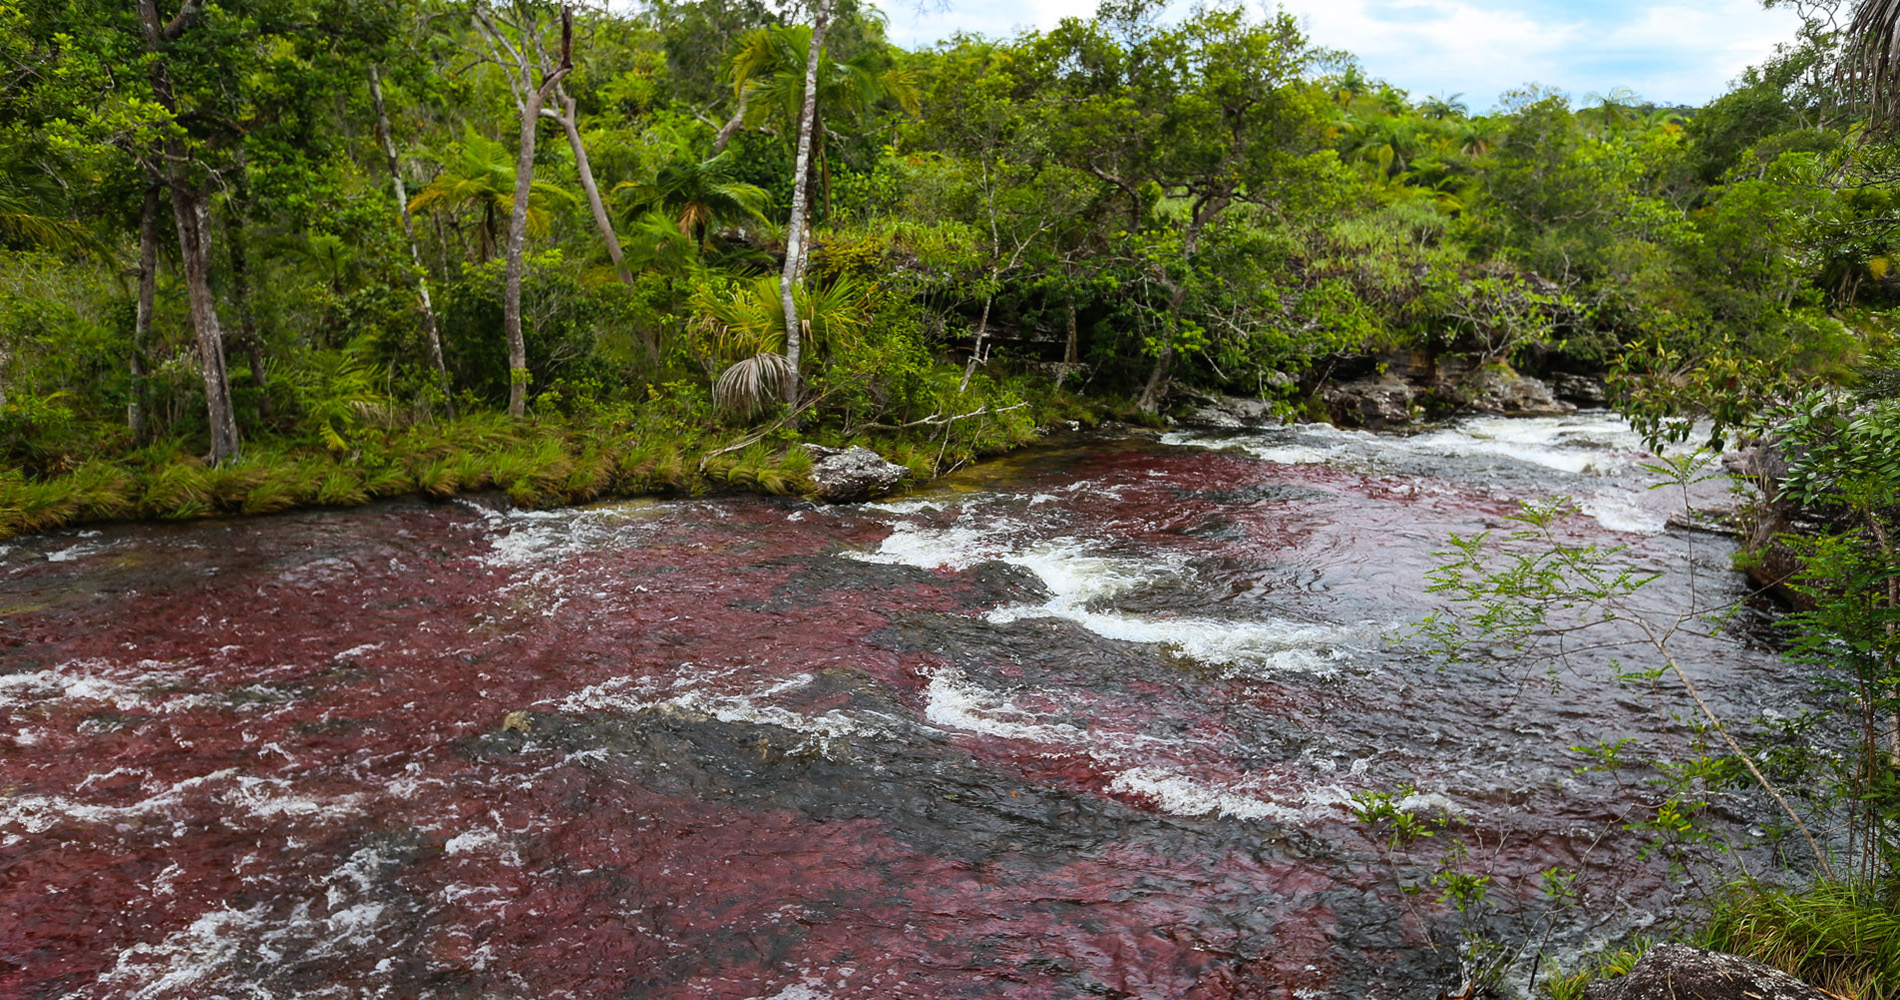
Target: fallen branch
{"x": 757, "y": 436}
{"x": 939, "y": 420}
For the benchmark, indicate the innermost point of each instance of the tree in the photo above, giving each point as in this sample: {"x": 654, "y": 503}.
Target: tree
{"x": 699, "y": 194}
{"x": 795, "y": 227}
{"x": 531, "y": 89}
{"x": 1209, "y": 112}
{"x": 769, "y": 87}
{"x": 481, "y": 176}
{"x": 430, "y": 333}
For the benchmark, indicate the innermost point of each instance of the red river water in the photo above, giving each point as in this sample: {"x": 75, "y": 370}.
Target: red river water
{"x": 1083, "y": 723}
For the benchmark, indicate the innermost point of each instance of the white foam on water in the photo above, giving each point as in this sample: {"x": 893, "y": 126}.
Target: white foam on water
{"x": 471, "y": 841}
{"x": 1077, "y": 579}
{"x": 952, "y": 701}
{"x": 806, "y": 990}
{"x": 263, "y": 798}
{"x": 94, "y": 680}
{"x": 1272, "y": 448}
{"x": 635, "y": 695}
{"x": 954, "y": 548}
{"x": 1180, "y": 795}
{"x": 523, "y": 538}
{"x": 1598, "y": 443}
{"x": 1622, "y": 510}
{"x": 217, "y": 955}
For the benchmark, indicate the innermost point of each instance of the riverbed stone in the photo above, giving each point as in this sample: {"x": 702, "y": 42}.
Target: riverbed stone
{"x": 1374, "y": 402}
{"x": 1583, "y": 390}
{"x": 1228, "y": 413}
{"x": 1501, "y": 390}
{"x": 1679, "y": 972}
{"x": 850, "y": 475}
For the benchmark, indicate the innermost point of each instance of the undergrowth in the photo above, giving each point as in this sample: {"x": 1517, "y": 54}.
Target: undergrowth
{"x": 1842, "y": 938}
{"x": 540, "y": 462}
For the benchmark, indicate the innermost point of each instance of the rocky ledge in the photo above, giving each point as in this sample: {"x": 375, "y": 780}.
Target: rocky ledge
{"x": 1679, "y": 972}
{"x": 849, "y": 475}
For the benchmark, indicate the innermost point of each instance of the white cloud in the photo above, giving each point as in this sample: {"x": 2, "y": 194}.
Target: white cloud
{"x": 1669, "y": 52}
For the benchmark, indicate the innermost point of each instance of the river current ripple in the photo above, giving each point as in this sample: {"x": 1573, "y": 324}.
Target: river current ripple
{"x": 1083, "y": 722}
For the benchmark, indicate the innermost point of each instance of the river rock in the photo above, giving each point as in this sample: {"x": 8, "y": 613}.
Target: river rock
{"x": 848, "y": 475}
{"x": 1679, "y": 972}
{"x": 1501, "y": 390}
{"x": 1374, "y": 402}
{"x": 1228, "y": 413}
{"x": 1582, "y": 390}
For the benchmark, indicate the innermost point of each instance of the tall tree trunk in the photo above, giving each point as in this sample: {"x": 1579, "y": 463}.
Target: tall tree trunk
{"x": 517, "y": 238}
{"x": 142, "y": 316}
{"x": 429, "y": 330}
{"x": 194, "y": 244}
{"x": 194, "y": 240}
{"x": 570, "y": 121}
{"x": 795, "y": 229}
{"x": 533, "y": 99}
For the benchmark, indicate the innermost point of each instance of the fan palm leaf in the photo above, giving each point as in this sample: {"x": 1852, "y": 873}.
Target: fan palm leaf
{"x": 1871, "y": 67}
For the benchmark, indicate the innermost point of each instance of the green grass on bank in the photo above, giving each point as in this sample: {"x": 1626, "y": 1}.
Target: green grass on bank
{"x": 538, "y": 462}
{"x": 1842, "y": 938}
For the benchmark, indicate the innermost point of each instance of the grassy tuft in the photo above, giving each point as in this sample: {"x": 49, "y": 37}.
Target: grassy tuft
{"x": 1842, "y": 938}
{"x": 1613, "y": 963}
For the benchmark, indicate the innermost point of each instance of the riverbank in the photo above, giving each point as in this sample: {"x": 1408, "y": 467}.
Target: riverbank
{"x": 558, "y": 458}
{"x": 538, "y": 462}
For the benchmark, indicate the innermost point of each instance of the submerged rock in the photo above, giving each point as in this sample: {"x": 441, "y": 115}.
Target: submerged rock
{"x": 1371, "y": 402}
{"x": 1679, "y": 972}
{"x": 848, "y": 475}
{"x": 1500, "y": 390}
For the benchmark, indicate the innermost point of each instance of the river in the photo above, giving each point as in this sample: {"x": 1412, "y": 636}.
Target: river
{"x": 1082, "y": 722}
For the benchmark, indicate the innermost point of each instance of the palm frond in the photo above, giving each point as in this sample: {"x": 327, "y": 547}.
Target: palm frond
{"x": 750, "y": 385}
{"x": 1870, "y": 70}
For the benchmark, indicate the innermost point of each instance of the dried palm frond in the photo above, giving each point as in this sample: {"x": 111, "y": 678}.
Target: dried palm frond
{"x": 1870, "y": 66}
{"x": 750, "y": 385}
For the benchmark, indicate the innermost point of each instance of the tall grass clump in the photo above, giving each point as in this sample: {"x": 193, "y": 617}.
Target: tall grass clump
{"x": 1844, "y": 938}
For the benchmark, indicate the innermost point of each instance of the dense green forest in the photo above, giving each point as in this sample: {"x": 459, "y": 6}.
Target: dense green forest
{"x": 264, "y": 254}
{"x": 256, "y": 255}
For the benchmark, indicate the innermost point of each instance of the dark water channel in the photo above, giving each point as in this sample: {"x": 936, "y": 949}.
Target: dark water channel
{"x": 1083, "y": 723}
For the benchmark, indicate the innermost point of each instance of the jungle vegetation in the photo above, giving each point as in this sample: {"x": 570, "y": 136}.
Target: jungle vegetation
{"x": 264, "y": 253}
{"x": 255, "y": 255}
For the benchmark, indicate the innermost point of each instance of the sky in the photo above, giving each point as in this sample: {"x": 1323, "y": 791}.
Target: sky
{"x": 1670, "y": 52}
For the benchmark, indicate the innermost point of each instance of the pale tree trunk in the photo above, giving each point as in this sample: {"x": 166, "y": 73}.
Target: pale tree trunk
{"x": 731, "y": 127}
{"x": 533, "y": 98}
{"x": 570, "y": 121}
{"x": 517, "y": 238}
{"x": 194, "y": 244}
{"x": 429, "y": 331}
{"x": 142, "y": 316}
{"x": 794, "y": 248}
{"x": 194, "y": 241}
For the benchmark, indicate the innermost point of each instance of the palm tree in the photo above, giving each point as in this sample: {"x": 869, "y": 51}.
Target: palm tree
{"x": 23, "y": 221}
{"x": 1441, "y": 107}
{"x": 698, "y": 195}
{"x": 482, "y": 176}
{"x": 1870, "y": 71}
{"x": 1351, "y": 84}
{"x": 768, "y": 79}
